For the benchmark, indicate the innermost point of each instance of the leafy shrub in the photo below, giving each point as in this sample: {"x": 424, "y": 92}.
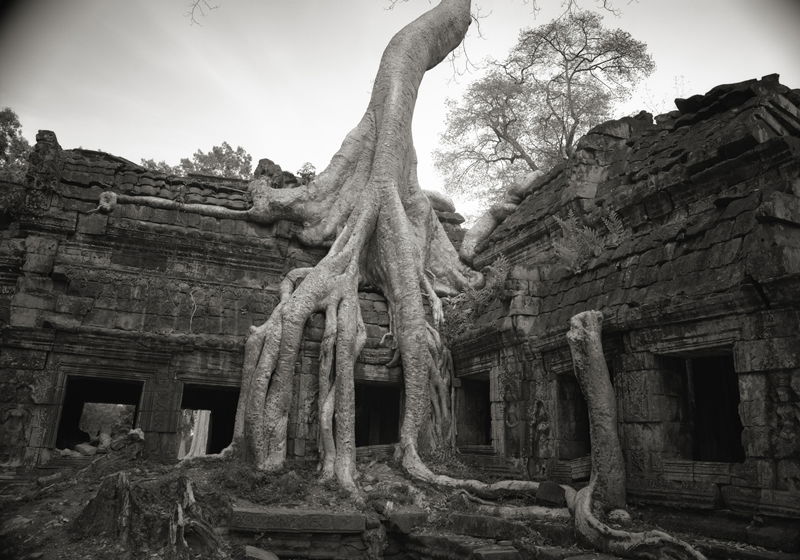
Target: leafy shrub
{"x": 461, "y": 311}
{"x": 580, "y": 243}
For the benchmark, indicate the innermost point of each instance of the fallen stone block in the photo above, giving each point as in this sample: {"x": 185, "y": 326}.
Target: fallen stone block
{"x": 406, "y": 519}
{"x": 86, "y": 449}
{"x": 255, "y": 553}
{"x": 550, "y": 494}
{"x": 486, "y": 526}
{"x": 497, "y": 553}
{"x": 49, "y": 479}
{"x": 253, "y": 518}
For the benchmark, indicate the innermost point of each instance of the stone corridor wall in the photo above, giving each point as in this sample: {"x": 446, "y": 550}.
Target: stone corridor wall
{"x": 161, "y": 297}
{"x": 709, "y": 265}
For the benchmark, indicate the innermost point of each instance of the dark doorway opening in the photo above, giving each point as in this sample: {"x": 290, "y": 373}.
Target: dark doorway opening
{"x": 377, "y": 414}
{"x": 573, "y": 419}
{"x": 221, "y": 402}
{"x": 474, "y": 412}
{"x": 81, "y": 390}
{"x": 714, "y": 403}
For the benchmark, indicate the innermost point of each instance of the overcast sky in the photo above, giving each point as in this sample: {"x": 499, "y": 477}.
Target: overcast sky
{"x": 288, "y": 79}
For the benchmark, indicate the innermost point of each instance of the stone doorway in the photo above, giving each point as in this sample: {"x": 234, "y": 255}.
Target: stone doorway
{"x": 712, "y": 402}
{"x": 473, "y": 412}
{"x": 85, "y": 408}
{"x": 377, "y": 413}
{"x": 573, "y": 419}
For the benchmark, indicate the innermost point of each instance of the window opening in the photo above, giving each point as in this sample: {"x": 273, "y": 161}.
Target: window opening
{"x": 573, "y": 419}
{"x": 94, "y": 410}
{"x": 208, "y": 415}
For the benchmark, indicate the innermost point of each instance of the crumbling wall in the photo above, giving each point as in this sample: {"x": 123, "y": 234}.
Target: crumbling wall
{"x": 708, "y": 266}
{"x": 157, "y": 296}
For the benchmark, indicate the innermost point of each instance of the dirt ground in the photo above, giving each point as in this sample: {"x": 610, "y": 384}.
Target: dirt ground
{"x": 42, "y": 518}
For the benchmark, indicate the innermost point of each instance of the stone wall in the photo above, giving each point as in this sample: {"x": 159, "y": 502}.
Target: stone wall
{"x": 707, "y": 271}
{"x": 157, "y": 297}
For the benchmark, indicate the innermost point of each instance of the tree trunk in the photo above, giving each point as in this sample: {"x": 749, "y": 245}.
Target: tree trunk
{"x": 134, "y": 515}
{"x": 608, "y": 464}
{"x": 368, "y": 207}
{"x": 607, "y": 482}
{"x": 200, "y": 424}
{"x": 381, "y": 230}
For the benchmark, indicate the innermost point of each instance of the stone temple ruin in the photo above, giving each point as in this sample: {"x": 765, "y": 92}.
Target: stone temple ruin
{"x": 685, "y": 232}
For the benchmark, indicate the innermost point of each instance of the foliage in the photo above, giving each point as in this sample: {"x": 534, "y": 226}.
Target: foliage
{"x": 161, "y": 166}
{"x": 14, "y": 148}
{"x": 12, "y": 200}
{"x": 110, "y": 418}
{"x": 221, "y": 161}
{"x": 461, "y": 311}
{"x": 580, "y": 243}
{"x": 306, "y": 173}
{"x": 530, "y": 109}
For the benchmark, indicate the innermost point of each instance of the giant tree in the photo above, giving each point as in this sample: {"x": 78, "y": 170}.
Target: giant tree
{"x": 379, "y": 227}
{"x": 529, "y": 110}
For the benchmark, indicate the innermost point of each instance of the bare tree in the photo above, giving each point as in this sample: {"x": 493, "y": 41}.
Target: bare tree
{"x": 529, "y": 110}
{"x": 197, "y": 9}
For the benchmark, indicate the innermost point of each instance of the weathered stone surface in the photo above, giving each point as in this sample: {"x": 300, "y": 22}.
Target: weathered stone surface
{"x": 255, "y": 553}
{"x": 184, "y": 286}
{"x": 550, "y": 493}
{"x": 496, "y": 552}
{"x": 252, "y": 518}
{"x": 405, "y": 519}
{"x": 486, "y": 527}
{"x": 86, "y": 449}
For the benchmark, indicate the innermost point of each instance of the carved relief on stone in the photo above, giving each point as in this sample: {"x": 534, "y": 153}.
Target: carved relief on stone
{"x": 511, "y": 419}
{"x": 786, "y": 435}
{"x": 634, "y": 398}
{"x": 15, "y": 427}
{"x": 538, "y": 438}
{"x": 636, "y": 462}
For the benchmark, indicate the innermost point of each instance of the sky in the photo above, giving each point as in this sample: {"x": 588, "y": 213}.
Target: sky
{"x": 288, "y": 79}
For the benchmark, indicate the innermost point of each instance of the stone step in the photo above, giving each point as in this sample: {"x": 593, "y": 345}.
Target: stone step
{"x": 252, "y": 518}
{"x": 67, "y": 463}
{"x": 714, "y": 549}
{"x": 444, "y": 546}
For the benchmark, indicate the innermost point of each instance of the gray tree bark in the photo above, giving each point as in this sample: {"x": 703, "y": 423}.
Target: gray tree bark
{"x": 606, "y": 489}
{"x": 608, "y": 464}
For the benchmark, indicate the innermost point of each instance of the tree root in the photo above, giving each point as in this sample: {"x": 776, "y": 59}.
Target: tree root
{"x": 135, "y": 517}
{"x": 541, "y": 513}
{"x": 368, "y": 207}
{"x": 646, "y": 545}
{"x": 608, "y": 475}
{"x": 417, "y": 469}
